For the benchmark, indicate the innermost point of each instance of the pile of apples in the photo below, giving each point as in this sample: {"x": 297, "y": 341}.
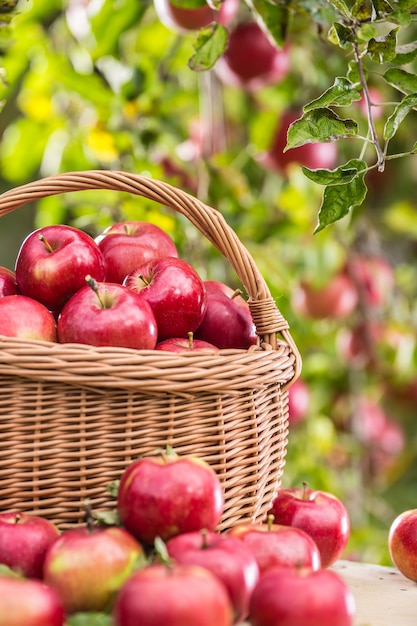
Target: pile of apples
{"x": 126, "y": 288}
{"x": 161, "y": 561}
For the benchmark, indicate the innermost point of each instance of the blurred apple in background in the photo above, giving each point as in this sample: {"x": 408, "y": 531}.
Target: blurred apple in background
{"x": 374, "y": 278}
{"x": 26, "y": 318}
{"x": 298, "y": 401}
{"x": 184, "y": 19}
{"x": 25, "y": 602}
{"x": 8, "y": 284}
{"x": 251, "y": 60}
{"x": 336, "y": 299}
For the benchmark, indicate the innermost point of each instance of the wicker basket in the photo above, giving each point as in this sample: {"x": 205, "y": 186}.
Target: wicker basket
{"x": 72, "y": 417}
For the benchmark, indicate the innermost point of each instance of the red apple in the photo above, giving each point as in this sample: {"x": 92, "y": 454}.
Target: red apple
{"x": 377, "y": 100}
{"x": 285, "y": 597}
{"x": 127, "y": 245}
{"x": 178, "y": 344}
{"x": 87, "y": 566}
{"x": 175, "y": 293}
{"x": 108, "y": 314}
{"x": 312, "y": 155}
{"x": 26, "y": 318}
{"x": 298, "y": 401}
{"x": 226, "y": 557}
{"x": 337, "y": 299}
{"x": 52, "y": 264}
{"x": 276, "y": 545}
{"x": 321, "y": 515}
{"x": 402, "y": 543}
{"x": 173, "y": 595}
{"x": 24, "y": 540}
{"x": 252, "y": 60}
{"x": 227, "y": 322}
{"x": 183, "y": 20}
{"x": 26, "y": 602}
{"x": 374, "y": 278}
{"x": 8, "y": 284}
{"x": 166, "y": 494}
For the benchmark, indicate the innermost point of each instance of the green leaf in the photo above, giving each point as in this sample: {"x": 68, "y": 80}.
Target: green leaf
{"x": 341, "y": 7}
{"x": 89, "y": 619}
{"x": 382, "y": 49}
{"x": 405, "y": 54}
{"x": 339, "y": 200}
{"x": 401, "y": 80}
{"x": 210, "y": 44}
{"x": 343, "y": 174}
{"x": 353, "y": 74}
{"x": 367, "y": 32}
{"x": 189, "y": 4}
{"x": 319, "y": 125}
{"x": 342, "y": 93}
{"x": 107, "y": 518}
{"x": 341, "y": 35}
{"x": 398, "y": 115}
{"x": 361, "y": 10}
{"x": 382, "y": 8}
{"x": 274, "y": 17}
{"x": 113, "y": 488}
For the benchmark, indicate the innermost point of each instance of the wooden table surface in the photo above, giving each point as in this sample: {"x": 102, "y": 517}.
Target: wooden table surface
{"x": 384, "y": 597}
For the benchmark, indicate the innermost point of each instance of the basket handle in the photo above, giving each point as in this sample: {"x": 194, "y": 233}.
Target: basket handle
{"x": 210, "y": 222}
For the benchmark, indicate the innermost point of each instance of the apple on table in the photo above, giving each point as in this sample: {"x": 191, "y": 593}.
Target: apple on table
{"x": 402, "y": 543}
{"x": 29, "y": 602}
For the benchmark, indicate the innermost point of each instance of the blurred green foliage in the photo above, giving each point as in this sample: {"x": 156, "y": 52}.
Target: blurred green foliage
{"x": 105, "y": 85}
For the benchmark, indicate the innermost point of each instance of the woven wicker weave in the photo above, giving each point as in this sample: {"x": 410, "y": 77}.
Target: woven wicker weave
{"x": 72, "y": 417}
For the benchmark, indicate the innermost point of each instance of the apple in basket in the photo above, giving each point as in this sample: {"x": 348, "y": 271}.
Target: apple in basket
{"x": 173, "y": 595}
{"x": 175, "y": 293}
{"x": 52, "y": 264}
{"x": 107, "y": 314}
{"x": 24, "y": 541}
{"x": 25, "y": 602}
{"x": 321, "y": 515}
{"x": 227, "y": 322}
{"x": 301, "y": 597}
{"x": 278, "y": 545}
{"x": 179, "y": 344}
{"x": 26, "y": 318}
{"x": 127, "y": 245}
{"x": 8, "y": 284}
{"x": 226, "y": 557}
{"x": 164, "y": 494}
{"x": 87, "y": 566}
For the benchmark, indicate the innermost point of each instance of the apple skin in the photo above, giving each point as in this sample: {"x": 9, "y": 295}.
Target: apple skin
{"x": 276, "y": 545}
{"x": 402, "y": 543}
{"x": 251, "y": 61}
{"x": 27, "y": 602}
{"x": 115, "y": 316}
{"x": 298, "y": 401}
{"x": 285, "y": 597}
{"x": 175, "y": 293}
{"x": 8, "y": 284}
{"x": 24, "y": 541}
{"x": 172, "y": 595}
{"x": 227, "y": 322}
{"x": 183, "y": 20}
{"x": 312, "y": 155}
{"x": 321, "y": 515}
{"x": 127, "y": 245}
{"x": 179, "y": 344}
{"x": 166, "y": 494}
{"x": 26, "y": 318}
{"x": 87, "y": 566}
{"x": 226, "y": 557}
{"x": 374, "y": 278}
{"x": 335, "y": 300}
{"x": 52, "y": 269}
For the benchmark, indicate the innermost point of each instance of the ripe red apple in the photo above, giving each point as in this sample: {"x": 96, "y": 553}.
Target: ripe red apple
{"x": 374, "y": 278}
{"x": 337, "y": 299}
{"x": 227, "y": 322}
{"x": 127, "y": 245}
{"x": 251, "y": 60}
{"x": 298, "y": 401}
{"x": 175, "y": 293}
{"x": 226, "y": 557}
{"x": 26, "y": 318}
{"x": 321, "y": 515}
{"x": 52, "y": 264}
{"x": 108, "y": 314}
{"x": 24, "y": 540}
{"x": 179, "y": 344}
{"x": 285, "y": 597}
{"x": 312, "y": 155}
{"x": 25, "y": 602}
{"x": 183, "y": 20}
{"x": 165, "y": 494}
{"x": 87, "y": 566}
{"x": 377, "y": 100}
{"x": 173, "y": 595}
{"x": 8, "y": 284}
{"x": 402, "y": 543}
{"x": 276, "y": 545}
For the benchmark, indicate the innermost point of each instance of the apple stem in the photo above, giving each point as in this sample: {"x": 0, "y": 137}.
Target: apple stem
{"x": 17, "y": 518}
{"x": 190, "y": 339}
{"x": 89, "y": 518}
{"x": 270, "y": 521}
{"x": 237, "y": 292}
{"x": 305, "y": 488}
{"x": 91, "y": 282}
{"x": 204, "y": 543}
{"x": 46, "y": 243}
{"x": 143, "y": 279}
